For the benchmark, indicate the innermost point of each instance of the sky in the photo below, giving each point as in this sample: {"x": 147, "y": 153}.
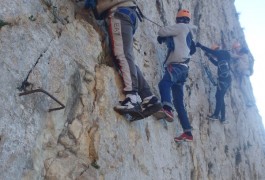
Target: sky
{"x": 252, "y": 14}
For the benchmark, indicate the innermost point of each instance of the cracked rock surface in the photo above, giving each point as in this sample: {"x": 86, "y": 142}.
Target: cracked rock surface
{"x": 63, "y": 50}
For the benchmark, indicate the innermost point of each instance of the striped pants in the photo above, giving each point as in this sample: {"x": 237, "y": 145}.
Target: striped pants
{"x": 122, "y": 24}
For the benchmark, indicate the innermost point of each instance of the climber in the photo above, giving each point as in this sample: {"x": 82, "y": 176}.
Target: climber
{"x": 176, "y": 70}
{"x": 122, "y": 20}
{"x": 243, "y": 69}
{"x": 224, "y": 77}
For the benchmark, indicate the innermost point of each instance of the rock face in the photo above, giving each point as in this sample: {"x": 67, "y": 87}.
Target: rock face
{"x": 68, "y": 54}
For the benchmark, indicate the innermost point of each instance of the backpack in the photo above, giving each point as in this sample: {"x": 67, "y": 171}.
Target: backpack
{"x": 224, "y": 69}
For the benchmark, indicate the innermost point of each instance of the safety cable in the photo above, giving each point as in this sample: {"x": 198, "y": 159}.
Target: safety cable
{"x": 208, "y": 73}
{"x": 25, "y": 83}
{"x": 141, "y": 15}
{"x": 151, "y": 21}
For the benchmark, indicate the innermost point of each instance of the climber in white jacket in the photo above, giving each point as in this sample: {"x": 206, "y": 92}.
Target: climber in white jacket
{"x": 243, "y": 69}
{"x": 181, "y": 33}
{"x": 176, "y": 70}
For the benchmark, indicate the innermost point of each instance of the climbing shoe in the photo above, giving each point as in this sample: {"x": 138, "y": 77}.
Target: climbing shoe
{"x": 184, "y": 137}
{"x": 165, "y": 114}
{"x": 150, "y": 105}
{"x": 213, "y": 117}
{"x": 224, "y": 121}
{"x": 149, "y": 101}
{"x": 169, "y": 114}
{"x": 127, "y": 106}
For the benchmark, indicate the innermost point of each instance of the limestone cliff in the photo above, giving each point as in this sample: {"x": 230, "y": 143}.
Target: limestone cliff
{"x": 68, "y": 53}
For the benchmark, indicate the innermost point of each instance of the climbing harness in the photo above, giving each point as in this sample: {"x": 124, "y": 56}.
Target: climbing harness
{"x": 223, "y": 66}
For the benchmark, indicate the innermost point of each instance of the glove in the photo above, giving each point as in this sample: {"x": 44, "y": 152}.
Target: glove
{"x": 160, "y": 39}
{"x": 198, "y": 44}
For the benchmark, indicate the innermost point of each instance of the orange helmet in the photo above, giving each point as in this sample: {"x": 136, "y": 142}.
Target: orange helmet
{"x": 184, "y": 13}
{"x": 236, "y": 45}
{"x": 215, "y": 47}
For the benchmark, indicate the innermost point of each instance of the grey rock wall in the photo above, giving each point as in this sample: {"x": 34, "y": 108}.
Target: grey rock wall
{"x": 69, "y": 55}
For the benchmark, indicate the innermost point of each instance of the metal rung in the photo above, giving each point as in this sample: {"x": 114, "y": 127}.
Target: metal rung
{"x": 45, "y": 92}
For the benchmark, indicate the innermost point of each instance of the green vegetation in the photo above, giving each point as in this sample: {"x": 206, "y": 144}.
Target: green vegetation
{"x": 55, "y": 14}
{"x": 95, "y": 165}
{"x": 3, "y": 23}
{"x": 32, "y": 18}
